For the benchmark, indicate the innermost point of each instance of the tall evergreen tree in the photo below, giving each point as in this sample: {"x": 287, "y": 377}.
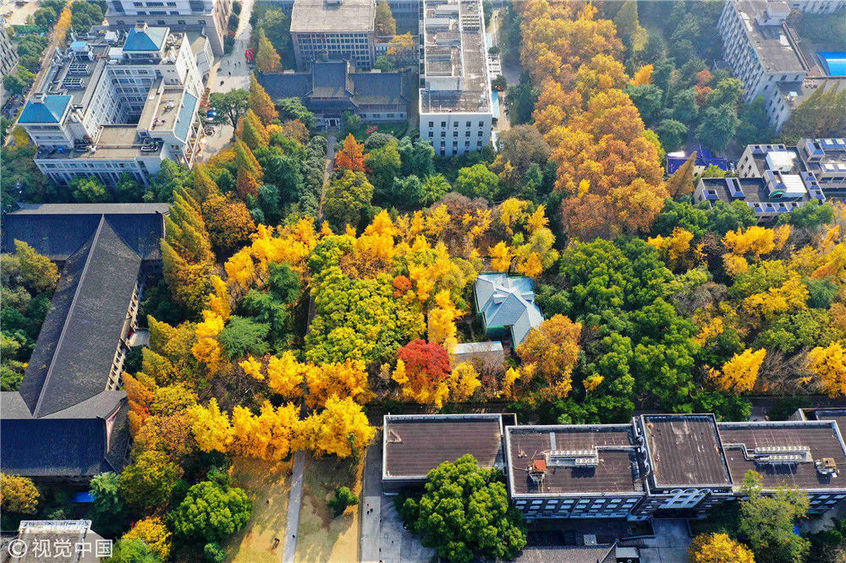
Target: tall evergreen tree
{"x": 267, "y": 59}
{"x": 681, "y": 182}
{"x": 259, "y": 101}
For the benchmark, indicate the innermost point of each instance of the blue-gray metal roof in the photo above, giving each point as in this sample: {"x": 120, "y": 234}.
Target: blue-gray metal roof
{"x": 49, "y": 110}
{"x": 149, "y": 39}
{"x": 186, "y": 115}
{"x": 508, "y": 302}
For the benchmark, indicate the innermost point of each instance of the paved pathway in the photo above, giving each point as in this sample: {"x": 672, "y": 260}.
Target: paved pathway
{"x": 294, "y": 502}
{"x": 371, "y": 498}
{"x": 327, "y": 172}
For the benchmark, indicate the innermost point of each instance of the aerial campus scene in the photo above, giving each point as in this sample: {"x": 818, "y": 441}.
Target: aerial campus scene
{"x": 423, "y": 280}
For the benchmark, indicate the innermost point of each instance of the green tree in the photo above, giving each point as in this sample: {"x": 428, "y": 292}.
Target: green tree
{"x": 229, "y": 105}
{"x": 386, "y": 25}
{"x": 37, "y": 272}
{"x": 672, "y": 134}
{"x": 343, "y": 498}
{"x": 275, "y": 25}
{"x": 267, "y": 59}
{"x": 520, "y": 101}
{"x": 133, "y": 551}
{"x": 649, "y": 101}
{"x": 418, "y": 157}
{"x": 754, "y": 124}
{"x": 465, "y": 513}
{"x": 725, "y": 217}
{"x": 241, "y": 336}
{"x": 347, "y": 200}
{"x": 214, "y": 553}
{"x": 108, "y": 512}
{"x": 293, "y": 108}
{"x": 684, "y": 107}
{"x": 211, "y": 511}
{"x": 718, "y": 126}
{"x": 85, "y": 14}
{"x": 812, "y": 214}
{"x": 89, "y": 190}
{"x": 434, "y": 187}
{"x": 384, "y": 164}
{"x": 477, "y": 181}
{"x": 729, "y": 91}
{"x": 45, "y": 17}
{"x": 767, "y": 521}
{"x": 128, "y": 189}
{"x": 148, "y": 480}
{"x": 15, "y": 84}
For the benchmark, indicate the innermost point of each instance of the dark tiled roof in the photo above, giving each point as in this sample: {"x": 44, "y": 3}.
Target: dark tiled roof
{"x": 416, "y": 445}
{"x": 329, "y": 79}
{"x": 79, "y": 337}
{"x": 617, "y": 470}
{"x": 820, "y": 437}
{"x": 59, "y": 230}
{"x": 54, "y": 447}
{"x": 286, "y": 84}
{"x": 375, "y": 88}
{"x": 329, "y": 86}
{"x": 685, "y": 450}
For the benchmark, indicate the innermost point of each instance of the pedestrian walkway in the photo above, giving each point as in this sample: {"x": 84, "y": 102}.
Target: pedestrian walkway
{"x": 294, "y": 502}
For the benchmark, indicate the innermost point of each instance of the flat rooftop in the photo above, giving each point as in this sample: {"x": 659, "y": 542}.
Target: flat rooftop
{"x": 322, "y": 16}
{"x": 774, "y": 47}
{"x": 838, "y": 415}
{"x": 454, "y": 47}
{"x": 685, "y": 450}
{"x": 161, "y": 108}
{"x": 755, "y": 194}
{"x": 414, "y": 445}
{"x": 784, "y": 453}
{"x": 615, "y": 469}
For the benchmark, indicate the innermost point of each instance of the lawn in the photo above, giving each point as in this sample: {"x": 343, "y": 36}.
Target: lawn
{"x": 268, "y": 486}
{"x": 396, "y": 128}
{"x": 321, "y": 537}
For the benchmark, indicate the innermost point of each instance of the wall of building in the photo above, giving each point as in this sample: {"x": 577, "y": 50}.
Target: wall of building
{"x": 454, "y": 133}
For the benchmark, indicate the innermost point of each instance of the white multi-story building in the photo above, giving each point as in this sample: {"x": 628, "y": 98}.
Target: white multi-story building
{"x": 334, "y": 30}
{"x": 208, "y": 16}
{"x": 111, "y": 106}
{"x": 763, "y": 53}
{"x": 817, "y": 6}
{"x": 455, "y": 100}
{"x": 8, "y": 53}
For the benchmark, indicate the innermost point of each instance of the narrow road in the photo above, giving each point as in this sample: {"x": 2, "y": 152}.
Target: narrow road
{"x": 371, "y": 499}
{"x": 294, "y": 502}
{"x": 331, "y": 140}
{"x": 231, "y": 71}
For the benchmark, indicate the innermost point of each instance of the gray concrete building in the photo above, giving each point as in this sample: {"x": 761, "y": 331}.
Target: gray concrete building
{"x": 334, "y": 30}
{"x": 208, "y": 16}
{"x": 455, "y": 102}
{"x": 657, "y": 466}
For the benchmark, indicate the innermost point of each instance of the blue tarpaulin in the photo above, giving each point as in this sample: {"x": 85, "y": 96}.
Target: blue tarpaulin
{"x": 82, "y": 498}
{"x": 833, "y": 63}
{"x": 704, "y": 157}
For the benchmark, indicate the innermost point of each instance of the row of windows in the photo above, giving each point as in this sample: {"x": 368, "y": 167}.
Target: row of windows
{"x": 457, "y": 124}
{"x": 455, "y": 134}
